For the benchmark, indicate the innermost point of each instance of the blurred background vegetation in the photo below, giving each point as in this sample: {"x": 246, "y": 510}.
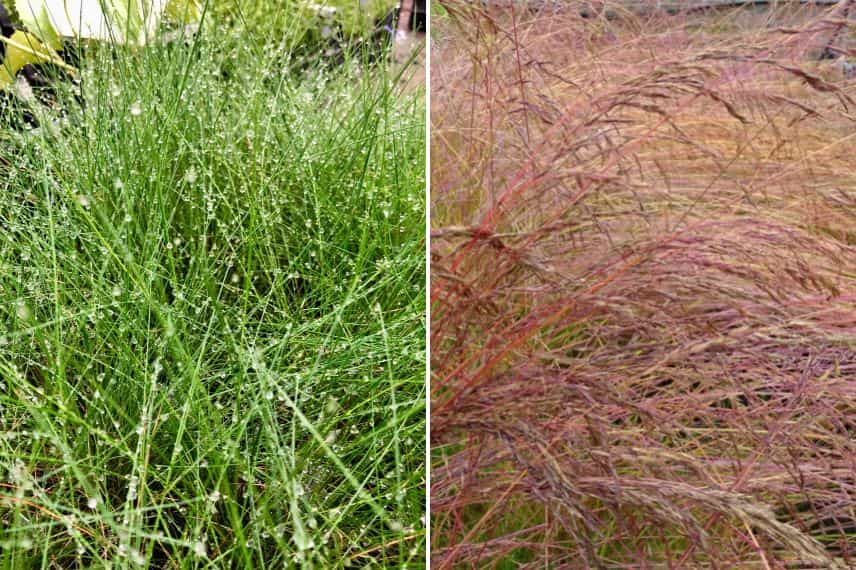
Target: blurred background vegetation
{"x": 324, "y": 27}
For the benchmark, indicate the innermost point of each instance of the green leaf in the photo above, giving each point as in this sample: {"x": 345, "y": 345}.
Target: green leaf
{"x": 35, "y": 16}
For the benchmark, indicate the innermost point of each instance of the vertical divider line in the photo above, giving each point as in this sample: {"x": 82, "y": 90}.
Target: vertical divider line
{"x": 428, "y": 283}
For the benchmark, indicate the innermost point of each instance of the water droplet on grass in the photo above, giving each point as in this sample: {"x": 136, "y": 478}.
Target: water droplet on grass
{"x": 138, "y": 558}
{"x": 302, "y": 540}
{"x": 23, "y": 311}
{"x": 332, "y": 405}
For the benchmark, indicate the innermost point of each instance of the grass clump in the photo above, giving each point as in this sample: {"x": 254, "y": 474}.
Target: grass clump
{"x": 212, "y": 313}
{"x": 643, "y": 289}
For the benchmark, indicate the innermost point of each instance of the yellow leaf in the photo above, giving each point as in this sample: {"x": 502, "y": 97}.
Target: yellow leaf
{"x": 23, "y": 48}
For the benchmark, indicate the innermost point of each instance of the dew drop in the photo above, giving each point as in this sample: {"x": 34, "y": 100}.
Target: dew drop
{"x": 395, "y": 526}
{"x": 23, "y": 311}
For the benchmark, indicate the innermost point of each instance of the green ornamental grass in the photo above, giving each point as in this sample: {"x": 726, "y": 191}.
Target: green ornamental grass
{"x": 212, "y": 315}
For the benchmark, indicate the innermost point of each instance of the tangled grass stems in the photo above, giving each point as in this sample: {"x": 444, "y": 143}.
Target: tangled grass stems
{"x": 643, "y": 290}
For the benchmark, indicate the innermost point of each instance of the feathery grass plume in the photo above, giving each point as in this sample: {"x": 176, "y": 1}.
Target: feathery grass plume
{"x": 643, "y": 288}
